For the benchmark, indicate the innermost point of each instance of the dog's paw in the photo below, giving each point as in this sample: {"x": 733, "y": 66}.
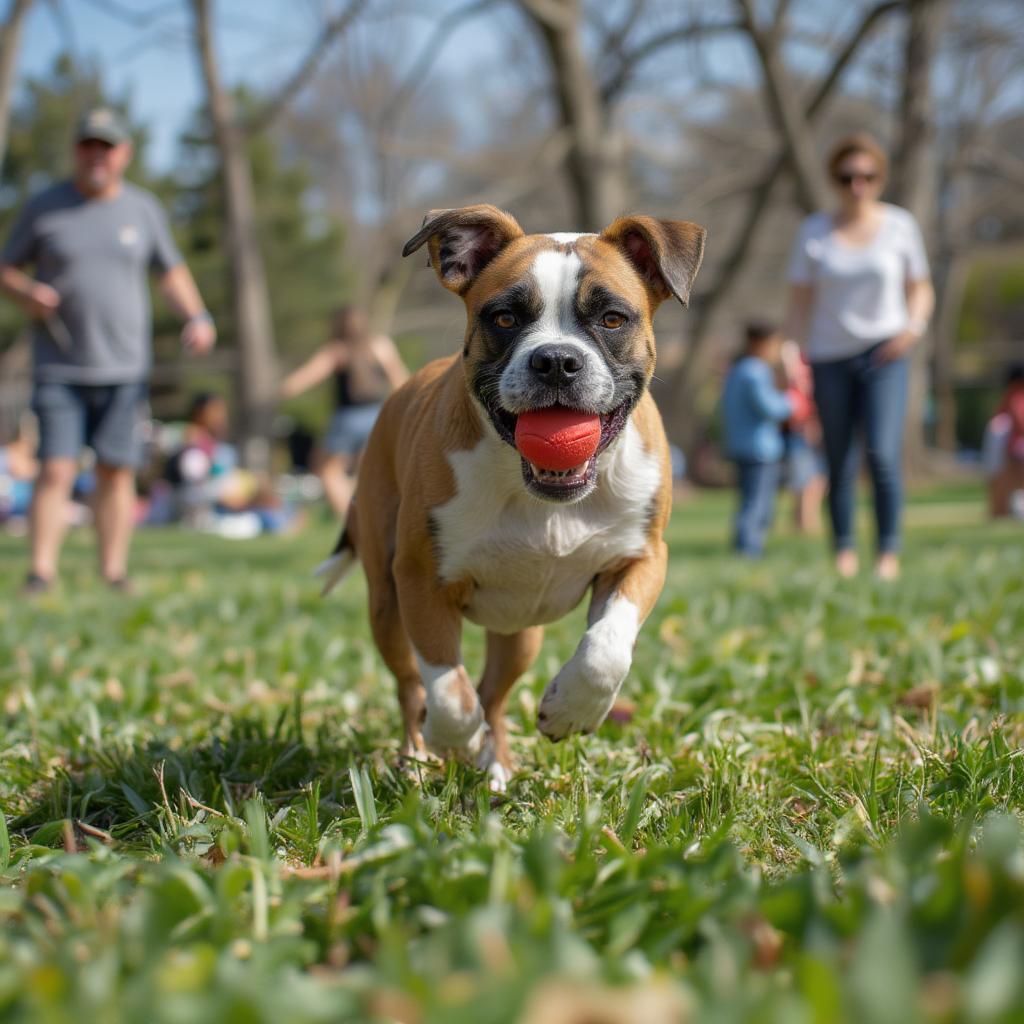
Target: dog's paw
{"x": 498, "y": 775}
{"x": 579, "y": 698}
{"x": 455, "y": 721}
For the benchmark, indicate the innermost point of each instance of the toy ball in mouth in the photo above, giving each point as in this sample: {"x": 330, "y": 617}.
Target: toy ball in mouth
{"x": 557, "y": 439}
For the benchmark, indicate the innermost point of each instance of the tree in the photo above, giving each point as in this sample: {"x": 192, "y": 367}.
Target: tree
{"x": 250, "y": 302}
{"x": 303, "y": 250}
{"x": 914, "y": 185}
{"x": 595, "y": 159}
{"x": 257, "y": 364}
{"x": 10, "y": 44}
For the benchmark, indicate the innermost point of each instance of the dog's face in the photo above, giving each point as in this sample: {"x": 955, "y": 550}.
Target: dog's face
{"x": 559, "y": 320}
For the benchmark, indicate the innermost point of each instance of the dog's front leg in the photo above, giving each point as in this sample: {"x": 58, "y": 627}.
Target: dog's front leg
{"x": 454, "y": 723}
{"x": 579, "y": 698}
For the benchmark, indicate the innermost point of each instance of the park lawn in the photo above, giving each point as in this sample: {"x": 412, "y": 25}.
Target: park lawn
{"x": 809, "y": 809}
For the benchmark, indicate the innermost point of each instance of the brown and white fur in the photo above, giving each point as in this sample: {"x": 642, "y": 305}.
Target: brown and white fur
{"x": 450, "y": 522}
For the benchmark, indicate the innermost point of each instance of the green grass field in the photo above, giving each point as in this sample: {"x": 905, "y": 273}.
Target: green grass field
{"x": 812, "y": 813}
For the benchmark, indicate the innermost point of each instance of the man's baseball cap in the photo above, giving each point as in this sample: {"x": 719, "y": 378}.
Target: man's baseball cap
{"x": 103, "y": 124}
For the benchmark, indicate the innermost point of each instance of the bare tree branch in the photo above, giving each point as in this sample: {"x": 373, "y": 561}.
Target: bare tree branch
{"x": 632, "y": 59}
{"x": 131, "y": 14}
{"x": 328, "y": 35}
{"x": 849, "y": 51}
{"x": 778, "y": 29}
{"x": 791, "y": 121}
{"x": 443, "y": 31}
{"x": 556, "y": 15}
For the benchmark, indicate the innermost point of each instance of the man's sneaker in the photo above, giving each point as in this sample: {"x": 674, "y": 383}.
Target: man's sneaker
{"x": 35, "y": 584}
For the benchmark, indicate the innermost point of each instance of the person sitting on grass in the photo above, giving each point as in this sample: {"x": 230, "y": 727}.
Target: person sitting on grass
{"x": 208, "y": 489}
{"x": 18, "y": 469}
{"x": 752, "y": 409}
{"x": 1004, "y": 450}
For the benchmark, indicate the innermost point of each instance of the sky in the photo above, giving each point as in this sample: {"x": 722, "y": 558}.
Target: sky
{"x": 144, "y": 51}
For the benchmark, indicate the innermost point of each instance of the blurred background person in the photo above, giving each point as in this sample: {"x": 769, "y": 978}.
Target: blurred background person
{"x": 202, "y": 462}
{"x": 752, "y": 411}
{"x": 1003, "y": 450}
{"x": 18, "y": 470}
{"x": 92, "y": 241}
{"x": 365, "y": 367}
{"x": 860, "y": 299}
{"x": 204, "y": 487}
{"x": 801, "y": 435}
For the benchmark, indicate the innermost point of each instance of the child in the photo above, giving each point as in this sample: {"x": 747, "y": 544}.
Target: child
{"x": 801, "y": 435}
{"x": 752, "y": 410}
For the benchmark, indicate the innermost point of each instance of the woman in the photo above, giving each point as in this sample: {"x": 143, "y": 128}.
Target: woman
{"x": 861, "y": 297}
{"x": 365, "y": 367}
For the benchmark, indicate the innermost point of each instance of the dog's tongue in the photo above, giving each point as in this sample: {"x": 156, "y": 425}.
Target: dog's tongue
{"x": 557, "y": 439}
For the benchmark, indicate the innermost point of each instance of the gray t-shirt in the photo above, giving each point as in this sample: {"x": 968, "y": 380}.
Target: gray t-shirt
{"x": 859, "y": 291}
{"x": 96, "y": 253}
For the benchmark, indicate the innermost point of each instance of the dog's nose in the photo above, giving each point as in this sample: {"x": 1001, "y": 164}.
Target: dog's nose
{"x": 555, "y": 364}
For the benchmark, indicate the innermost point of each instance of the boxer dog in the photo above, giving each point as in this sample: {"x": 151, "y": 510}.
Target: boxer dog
{"x": 451, "y": 522}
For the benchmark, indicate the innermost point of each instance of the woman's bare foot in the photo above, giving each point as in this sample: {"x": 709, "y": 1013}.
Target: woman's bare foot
{"x": 888, "y": 566}
{"x": 847, "y": 564}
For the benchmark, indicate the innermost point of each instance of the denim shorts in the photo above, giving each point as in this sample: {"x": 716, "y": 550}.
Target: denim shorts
{"x": 350, "y": 427}
{"x": 803, "y": 463}
{"x": 109, "y": 418}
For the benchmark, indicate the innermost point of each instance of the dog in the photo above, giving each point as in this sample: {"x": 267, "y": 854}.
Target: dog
{"x": 451, "y": 522}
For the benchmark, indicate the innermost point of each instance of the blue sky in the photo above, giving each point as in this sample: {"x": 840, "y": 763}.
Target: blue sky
{"x": 152, "y": 60}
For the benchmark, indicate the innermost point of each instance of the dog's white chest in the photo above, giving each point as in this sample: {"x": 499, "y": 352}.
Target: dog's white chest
{"x": 531, "y": 561}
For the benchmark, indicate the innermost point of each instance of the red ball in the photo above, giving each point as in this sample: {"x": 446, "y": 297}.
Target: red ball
{"x": 557, "y": 439}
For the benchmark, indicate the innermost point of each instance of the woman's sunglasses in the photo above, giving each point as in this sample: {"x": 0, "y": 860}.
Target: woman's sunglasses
{"x": 847, "y": 178}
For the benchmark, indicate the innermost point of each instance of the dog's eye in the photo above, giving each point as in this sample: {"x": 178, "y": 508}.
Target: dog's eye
{"x": 505, "y": 320}
{"x": 613, "y": 321}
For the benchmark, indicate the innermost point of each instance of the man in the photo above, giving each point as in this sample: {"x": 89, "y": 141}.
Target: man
{"x": 92, "y": 240}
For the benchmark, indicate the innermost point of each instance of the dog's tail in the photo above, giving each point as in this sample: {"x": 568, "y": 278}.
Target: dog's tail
{"x": 342, "y": 559}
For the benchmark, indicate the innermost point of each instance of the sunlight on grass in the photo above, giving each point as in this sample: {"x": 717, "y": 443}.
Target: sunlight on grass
{"x": 806, "y": 810}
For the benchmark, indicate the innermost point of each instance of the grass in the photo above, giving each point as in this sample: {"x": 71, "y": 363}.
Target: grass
{"x": 808, "y": 811}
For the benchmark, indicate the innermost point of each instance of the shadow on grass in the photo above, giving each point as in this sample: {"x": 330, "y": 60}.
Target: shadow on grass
{"x": 134, "y": 794}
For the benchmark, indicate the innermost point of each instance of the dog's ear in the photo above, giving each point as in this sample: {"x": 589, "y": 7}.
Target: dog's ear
{"x": 665, "y": 253}
{"x": 462, "y": 242}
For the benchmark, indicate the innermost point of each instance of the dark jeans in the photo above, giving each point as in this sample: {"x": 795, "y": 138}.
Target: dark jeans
{"x": 859, "y": 397}
{"x": 758, "y": 482}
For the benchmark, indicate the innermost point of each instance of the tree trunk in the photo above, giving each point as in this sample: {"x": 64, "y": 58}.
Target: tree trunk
{"x": 915, "y": 182}
{"x": 595, "y": 162}
{"x": 950, "y": 284}
{"x": 254, "y": 339}
{"x": 10, "y": 44}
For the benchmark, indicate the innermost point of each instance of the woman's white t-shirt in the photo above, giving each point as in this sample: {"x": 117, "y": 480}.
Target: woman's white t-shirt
{"x": 859, "y": 291}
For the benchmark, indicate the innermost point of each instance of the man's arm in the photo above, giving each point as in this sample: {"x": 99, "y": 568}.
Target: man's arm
{"x": 179, "y": 289}
{"x": 37, "y": 299}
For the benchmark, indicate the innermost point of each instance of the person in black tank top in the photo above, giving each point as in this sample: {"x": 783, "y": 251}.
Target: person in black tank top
{"x": 365, "y": 368}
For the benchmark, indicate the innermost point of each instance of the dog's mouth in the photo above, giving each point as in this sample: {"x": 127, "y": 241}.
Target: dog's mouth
{"x": 566, "y": 484}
